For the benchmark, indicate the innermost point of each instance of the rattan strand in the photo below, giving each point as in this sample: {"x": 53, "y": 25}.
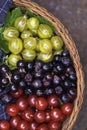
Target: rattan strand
{"x": 68, "y": 124}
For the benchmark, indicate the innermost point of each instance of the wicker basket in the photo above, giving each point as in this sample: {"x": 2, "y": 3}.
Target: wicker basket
{"x": 68, "y": 124}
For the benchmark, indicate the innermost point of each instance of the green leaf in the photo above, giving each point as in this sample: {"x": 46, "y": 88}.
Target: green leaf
{"x": 41, "y": 19}
{"x": 11, "y": 16}
{"x": 30, "y": 13}
{"x": 4, "y": 45}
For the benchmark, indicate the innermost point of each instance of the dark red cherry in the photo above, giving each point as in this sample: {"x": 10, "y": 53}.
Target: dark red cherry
{"x": 14, "y": 121}
{"x": 28, "y": 114}
{"x": 23, "y": 125}
{"x": 56, "y": 114}
{"x": 40, "y": 116}
{"x": 67, "y": 108}
{"x": 12, "y": 110}
{"x": 4, "y": 125}
{"x": 54, "y": 125}
{"x": 22, "y": 103}
{"x": 41, "y": 103}
{"x": 52, "y": 100}
{"x": 33, "y": 125}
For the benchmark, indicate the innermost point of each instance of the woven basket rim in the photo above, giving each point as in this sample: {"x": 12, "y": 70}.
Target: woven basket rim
{"x": 37, "y": 9}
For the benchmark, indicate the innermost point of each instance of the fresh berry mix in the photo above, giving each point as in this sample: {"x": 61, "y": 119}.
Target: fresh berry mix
{"x": 38, "y": 83}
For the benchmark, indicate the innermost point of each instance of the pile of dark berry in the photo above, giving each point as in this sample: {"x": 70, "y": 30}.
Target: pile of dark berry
{"x": 40, "y": 95}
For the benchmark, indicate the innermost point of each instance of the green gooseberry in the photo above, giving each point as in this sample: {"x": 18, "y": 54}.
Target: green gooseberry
{"x": 45, "y": 57}
{"x": 33, "y": 23}
{"x": 10, "y": 32}
{"x": 21, "y": 23}
{"x": 45, "y": 31}
{"x": 28, "y": 55}
{"x": 26, "y": 34}
{"x": 13, "y": 59}
{"x": 30, "y": 43}
{"x": 45, "y": 46}
{"x": 15, "y": 45}
{"x": 57, "y": 42}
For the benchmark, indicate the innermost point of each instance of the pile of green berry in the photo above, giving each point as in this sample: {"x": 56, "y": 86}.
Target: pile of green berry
{"x": 28, "y": 39}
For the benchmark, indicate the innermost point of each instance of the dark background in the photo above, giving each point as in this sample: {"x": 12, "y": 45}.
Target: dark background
{"x": 73, "y": 14}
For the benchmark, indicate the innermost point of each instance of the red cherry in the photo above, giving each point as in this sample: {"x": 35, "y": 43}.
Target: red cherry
{"x": 41, "y": 103}
{"x": 47, "y": 116}
{"x": 67, "y": 108}
{"x": 32, "y": 100}
{"x": 53, "y": 101}
{"x": 18, "y": 93}
{"x": 42, "y": 127}
{"x": 54, "y": 125}
{"x": 28, "y": 114}
{"x": 4, "y": 125}
{"x": 33, "y": 126}
{"x": 22, "y": 103}
{"x": 40, "y": 116}
{"x": 12, "y": 110}
{"x": 56, "y": 114}
{"x": 14, "y": 121}
{"x": 23, "y": 125}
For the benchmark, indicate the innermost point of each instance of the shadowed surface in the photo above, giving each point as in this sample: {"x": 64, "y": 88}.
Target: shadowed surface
{"x": 73, "y": 14}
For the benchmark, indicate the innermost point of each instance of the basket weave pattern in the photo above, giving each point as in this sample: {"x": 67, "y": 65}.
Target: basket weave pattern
{"x": 70, "y": 45}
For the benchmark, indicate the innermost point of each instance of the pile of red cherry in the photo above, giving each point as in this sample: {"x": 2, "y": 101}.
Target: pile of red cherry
{"x": 36, "y": 113}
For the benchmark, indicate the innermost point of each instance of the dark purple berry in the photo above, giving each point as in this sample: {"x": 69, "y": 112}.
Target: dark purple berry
{"x": 28, "y": 77}
{"x": 63, "y": 77}
{"x": 21, "y": 72}
{"x": 56, "y": 80}
{"x": 38, "y": 65}
{"x": 21, "y": 64}
{"x": 38, "y": 74}
{"x": 56, "y": 59}
{"x": 72, "y": 77}
{"x": 46, "y": 83}
{"x": 15, "y": 78}
{"x": 48, "y": 76}
{"x": 70, "y": 70}
{"x": 13, "y": 88}
{"x": 30, "y": 66}
{"x": 4, "y": 69}
{"x": 72, "y": 92}
{"x": 49, "y": 91}
{"x": 58, "y": 90}
{"x": 66, "y": 53}
{"x": 67, "y": 83}
{"x": 37, "y": 83}
{"x": 66, "y": 61}
{"x": 5, "y": 81}
{"x": 46, "y": 67}
{"x": 59, "y": 68}
{"x": 65, "y": 98}
{"x": 22, "y": 84}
